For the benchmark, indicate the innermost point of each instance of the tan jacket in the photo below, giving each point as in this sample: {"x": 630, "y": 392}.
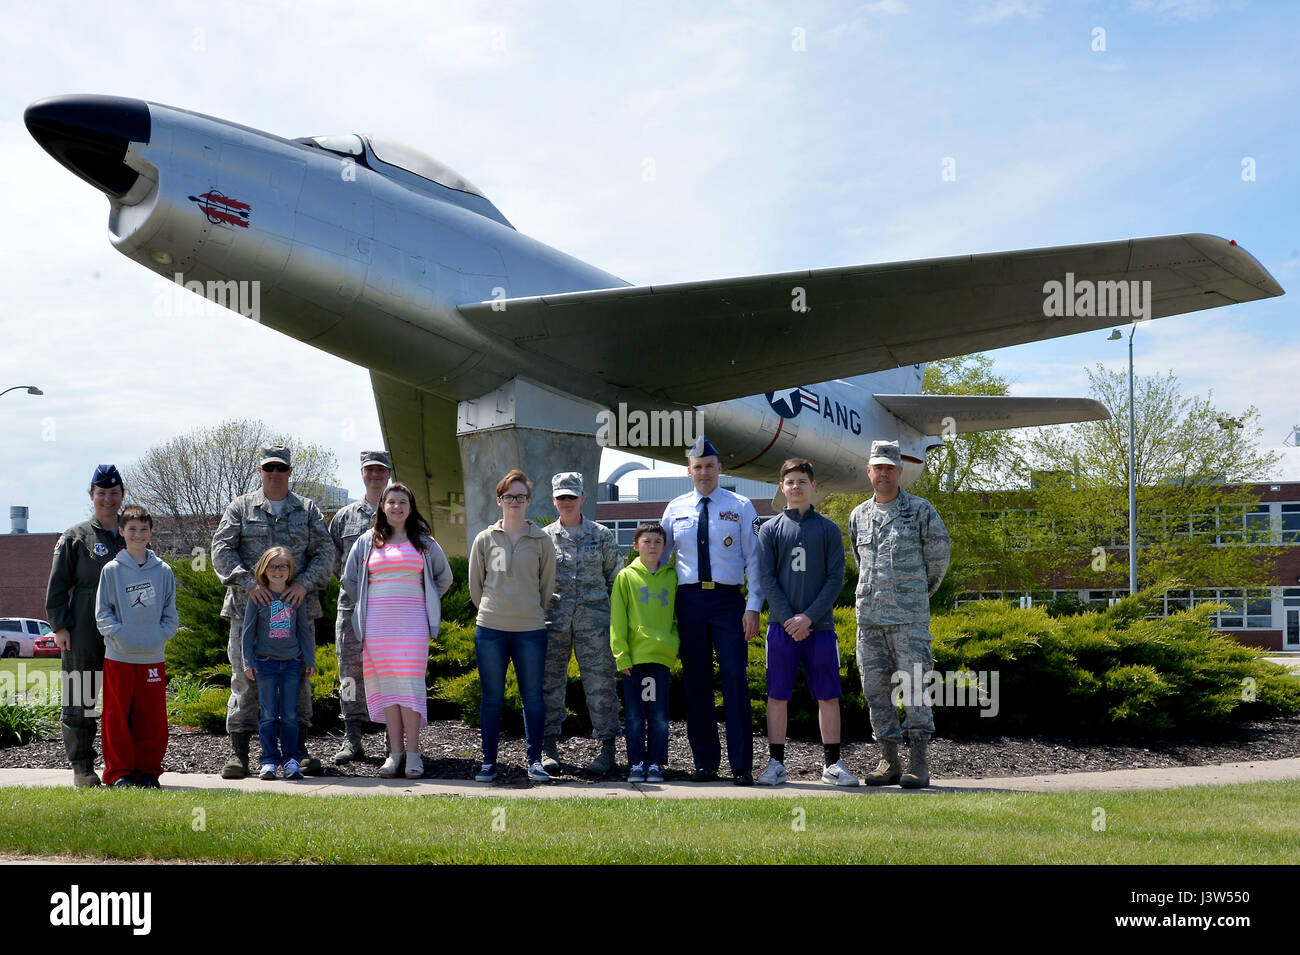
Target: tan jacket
{"x": 511, "y": 586}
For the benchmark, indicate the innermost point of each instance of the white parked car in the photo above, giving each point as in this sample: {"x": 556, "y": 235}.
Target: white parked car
{"x": 26, "y": 637}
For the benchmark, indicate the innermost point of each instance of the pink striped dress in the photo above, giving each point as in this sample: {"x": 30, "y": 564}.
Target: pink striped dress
{"x": 395, "y": 654}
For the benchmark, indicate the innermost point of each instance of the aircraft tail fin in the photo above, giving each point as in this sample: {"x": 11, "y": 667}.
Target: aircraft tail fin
{"x": 960, "y": 414}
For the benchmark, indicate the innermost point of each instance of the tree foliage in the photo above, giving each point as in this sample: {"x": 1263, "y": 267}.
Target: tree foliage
{"x": 1029, "y": 507}
{"x": 188, "y": 480}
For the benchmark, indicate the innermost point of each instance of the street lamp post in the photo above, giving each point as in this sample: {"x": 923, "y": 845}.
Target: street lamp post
{"x": 1132, "y": 484}
{"x": 31, "y": 390}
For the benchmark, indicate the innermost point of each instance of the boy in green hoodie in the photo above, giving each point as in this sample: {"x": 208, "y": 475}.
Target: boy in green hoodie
{"x": 643, "y": 637}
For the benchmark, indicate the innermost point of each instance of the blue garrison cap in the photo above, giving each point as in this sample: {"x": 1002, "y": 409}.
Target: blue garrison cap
{"x": 106, "y": 476}
{"x": 702, "y": 448}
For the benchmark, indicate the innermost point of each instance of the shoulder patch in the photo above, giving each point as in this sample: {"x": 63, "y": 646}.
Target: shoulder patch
{"x": 757, "y": 524}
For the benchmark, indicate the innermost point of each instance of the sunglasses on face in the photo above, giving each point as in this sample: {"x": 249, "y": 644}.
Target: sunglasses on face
{"x": 514, "y": 498}
{"x": 275, "y": 468}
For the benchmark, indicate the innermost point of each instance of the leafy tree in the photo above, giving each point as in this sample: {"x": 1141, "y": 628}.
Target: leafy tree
{"x": 188, "y": 480}
{"x": 1192, "y": 465}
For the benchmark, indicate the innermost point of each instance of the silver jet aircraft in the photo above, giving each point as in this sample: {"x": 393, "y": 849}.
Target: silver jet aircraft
{"x": 489, "y": 350}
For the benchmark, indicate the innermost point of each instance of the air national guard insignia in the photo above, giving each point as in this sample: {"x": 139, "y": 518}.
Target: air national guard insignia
{"x": 727, "y": 541}
{"x": 100, "y": 549}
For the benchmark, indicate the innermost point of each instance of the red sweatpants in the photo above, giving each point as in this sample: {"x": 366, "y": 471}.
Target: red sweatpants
{"x": 134, "y": 723}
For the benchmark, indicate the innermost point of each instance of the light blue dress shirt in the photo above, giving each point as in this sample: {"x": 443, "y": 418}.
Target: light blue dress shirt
{"x": 733, "y": 540}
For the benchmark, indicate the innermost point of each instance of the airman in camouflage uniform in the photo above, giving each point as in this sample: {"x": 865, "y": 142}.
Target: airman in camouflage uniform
{"x": 348, "y": 524}
{"x": 248, "y": 527}
{"x": 902, "y": 550}
{"x": 79, "y": 555}
{"x": 587, "y": 561}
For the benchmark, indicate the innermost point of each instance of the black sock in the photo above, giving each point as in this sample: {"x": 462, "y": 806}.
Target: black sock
{"x": 776, "y": 751}
{"x": 832, "y": 751}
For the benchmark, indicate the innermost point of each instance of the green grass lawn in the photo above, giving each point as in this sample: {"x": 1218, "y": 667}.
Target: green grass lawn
{"x": 1255, "y": 823}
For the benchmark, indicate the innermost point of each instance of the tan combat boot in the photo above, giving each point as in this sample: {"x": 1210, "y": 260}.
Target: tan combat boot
{"x": 551, "y": 754}
{"x": 918, "y": 771}
{"x": 889, "y": 769}
{"x": 351, "y": 749}
{"x": 237, "y": 765}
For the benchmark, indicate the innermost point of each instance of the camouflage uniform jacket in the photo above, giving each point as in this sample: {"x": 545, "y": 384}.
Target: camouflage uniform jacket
{"x": 349, "y": 524}
{"x": 902, "y": 550}
{"x": 587, "y": 562}
{"x": 249, "y": 526}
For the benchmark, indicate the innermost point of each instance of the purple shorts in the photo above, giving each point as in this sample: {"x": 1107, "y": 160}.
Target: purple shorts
{"x": 820, "y": 653}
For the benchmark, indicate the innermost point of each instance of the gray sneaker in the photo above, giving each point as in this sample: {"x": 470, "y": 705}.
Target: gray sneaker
{"x": 636, "y": 774}
{"x": 487, "y": 773}
{"x": 537, "y": 774}
{"x": 837, "y": 774}
{"x": 654, "y": 774}
{"x": 774, "y": 775}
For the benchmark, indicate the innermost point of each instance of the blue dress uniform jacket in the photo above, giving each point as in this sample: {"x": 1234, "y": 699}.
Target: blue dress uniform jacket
{"x": 733, "y": 540}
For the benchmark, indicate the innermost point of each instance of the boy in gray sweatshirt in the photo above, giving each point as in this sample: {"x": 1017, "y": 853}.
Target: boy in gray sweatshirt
{"x": 135, "y": 611}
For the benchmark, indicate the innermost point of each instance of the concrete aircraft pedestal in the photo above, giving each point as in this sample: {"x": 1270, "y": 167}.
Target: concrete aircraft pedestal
{"x": 522, "y": 425}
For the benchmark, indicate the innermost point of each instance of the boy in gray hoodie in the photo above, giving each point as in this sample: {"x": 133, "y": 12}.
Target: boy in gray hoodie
{"x": 135, "y": 611}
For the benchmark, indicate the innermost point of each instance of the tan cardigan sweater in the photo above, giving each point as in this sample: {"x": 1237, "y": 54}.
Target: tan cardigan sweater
{"x": 511, "y": 586}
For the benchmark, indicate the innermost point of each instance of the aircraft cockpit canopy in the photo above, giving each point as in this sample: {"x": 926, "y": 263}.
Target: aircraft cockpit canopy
{"x": 393, "y": 153}
{"x": 384, "y": 155}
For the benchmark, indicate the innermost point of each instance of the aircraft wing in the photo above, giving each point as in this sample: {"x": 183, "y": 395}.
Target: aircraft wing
{"x": 701, "y": 342}
{"x": 962, "y": 414}
{"x": 420, "y": 434}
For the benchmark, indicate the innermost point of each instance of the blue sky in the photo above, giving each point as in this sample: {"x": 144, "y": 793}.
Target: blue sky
{"x": 766, "y": 157}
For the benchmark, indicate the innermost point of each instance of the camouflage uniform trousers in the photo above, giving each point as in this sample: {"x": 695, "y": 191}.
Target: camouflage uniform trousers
{"x": 242, "y": 709}
{"x": 882, "y": 652}
{"x": 599, "y": 678}
{"x": 347, "y": 650}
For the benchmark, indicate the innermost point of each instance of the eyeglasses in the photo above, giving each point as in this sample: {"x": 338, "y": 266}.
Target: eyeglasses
{"x": 278, "y": 567}
{"x": 514, "y": 498}
{"x": 275, "y": 468}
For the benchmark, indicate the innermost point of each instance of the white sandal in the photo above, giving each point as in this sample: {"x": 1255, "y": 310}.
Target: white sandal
{"x": 414, "y": 766}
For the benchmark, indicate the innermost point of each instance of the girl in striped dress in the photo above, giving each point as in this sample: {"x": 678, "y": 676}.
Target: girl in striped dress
{"x": 396, "y": 573}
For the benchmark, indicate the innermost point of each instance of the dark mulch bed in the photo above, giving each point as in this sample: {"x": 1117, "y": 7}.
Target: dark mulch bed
{"x": 451, "y": 751}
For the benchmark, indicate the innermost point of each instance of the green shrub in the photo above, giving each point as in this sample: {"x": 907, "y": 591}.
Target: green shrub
{"x": 185, "y": 690}
{"x": 207, "y": 712}
{"x": 1108, "y": 673}
{"x": 21, "y": 723}
{"x": 199, "y": 647}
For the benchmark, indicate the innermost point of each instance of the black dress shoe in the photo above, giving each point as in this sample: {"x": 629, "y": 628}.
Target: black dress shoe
{"x": 124, "y": 782}
{"x": 704, "y": 776}
{"x": 148, "y": 782}
{"x": 743, "y": 779}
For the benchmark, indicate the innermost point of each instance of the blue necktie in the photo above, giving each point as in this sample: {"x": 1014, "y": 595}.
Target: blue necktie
{"x": 702, "y": 543}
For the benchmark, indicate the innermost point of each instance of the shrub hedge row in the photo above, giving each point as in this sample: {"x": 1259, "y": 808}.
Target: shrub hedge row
{"x": 1093, "y": 675}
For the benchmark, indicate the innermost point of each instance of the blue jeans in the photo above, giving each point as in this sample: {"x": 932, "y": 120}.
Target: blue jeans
{"x": 494, "y": 649}
{"x": 277, "y": 695}
{"x": 646, "y": 680}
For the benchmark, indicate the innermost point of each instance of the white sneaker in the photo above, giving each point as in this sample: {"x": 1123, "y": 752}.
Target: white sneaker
{"x": 535, "y": 772}
{"x": 774, "y": 775}
{"x": 268, "y": 771}
{"x": 837, "y": 774}
{"x": 389, "y": 769}
{"x": 414, "y": 766}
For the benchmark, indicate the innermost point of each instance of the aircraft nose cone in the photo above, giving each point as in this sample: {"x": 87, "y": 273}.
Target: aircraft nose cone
{"x": 89, "y": 134}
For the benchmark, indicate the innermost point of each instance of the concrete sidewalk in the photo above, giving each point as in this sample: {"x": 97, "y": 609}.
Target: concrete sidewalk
{"x": 1112, "y": 781}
